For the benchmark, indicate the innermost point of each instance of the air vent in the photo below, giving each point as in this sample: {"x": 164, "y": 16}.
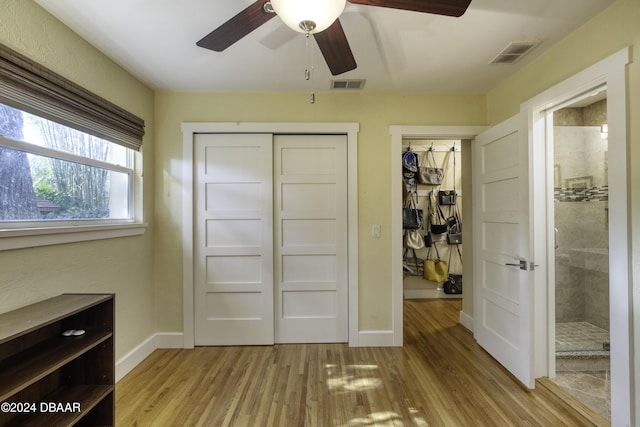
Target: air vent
{"x": 355, "y": 84}
{"x": 513, "y": 52}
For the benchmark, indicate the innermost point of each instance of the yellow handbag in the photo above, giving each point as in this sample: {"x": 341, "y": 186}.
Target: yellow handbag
{"x": 435, "y": 269}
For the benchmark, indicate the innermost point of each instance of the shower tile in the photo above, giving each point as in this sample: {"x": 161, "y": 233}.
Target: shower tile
{"x": 591, "y": 388}
{"x": 580, "y": 336}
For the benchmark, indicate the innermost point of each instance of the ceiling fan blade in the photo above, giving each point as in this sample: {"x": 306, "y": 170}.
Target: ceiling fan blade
{"x": 236, "y": 28}
{"x": 439, "y": 7}
{"x": 335, "y": 48}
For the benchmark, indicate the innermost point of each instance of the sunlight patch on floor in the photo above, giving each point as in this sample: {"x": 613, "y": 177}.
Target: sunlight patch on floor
{"x": 350, "y": 379}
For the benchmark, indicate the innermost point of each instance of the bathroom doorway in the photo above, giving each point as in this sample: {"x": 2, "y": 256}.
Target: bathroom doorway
{"x": 581, "y": 242}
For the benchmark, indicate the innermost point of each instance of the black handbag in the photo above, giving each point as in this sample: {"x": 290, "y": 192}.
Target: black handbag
{"x": 453, "y": 285}
{"x": 437, "y": 221}
{"x": 411, "y": 218}
{"x": 427, "y": 240}
{"x": 447, "y": 197}
{"x": 411, "y": 215}
{"x": 438, "y": 228}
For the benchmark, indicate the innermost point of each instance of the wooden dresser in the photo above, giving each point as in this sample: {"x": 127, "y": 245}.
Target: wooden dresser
{"x": 57, "y": 362}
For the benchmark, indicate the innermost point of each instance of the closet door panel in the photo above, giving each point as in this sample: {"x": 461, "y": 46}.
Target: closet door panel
{"x": 311, "y": 238}
{"x": 233, "y": 269}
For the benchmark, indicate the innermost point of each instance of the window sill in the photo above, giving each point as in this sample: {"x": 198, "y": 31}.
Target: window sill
{"x": 32, "y": 237}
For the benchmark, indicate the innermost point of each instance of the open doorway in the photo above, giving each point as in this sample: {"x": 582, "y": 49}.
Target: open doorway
{"x": 399, "y": 134}
{"x": 610, "y": 73}
{"x": 579, "y": 138}
{"x": 438, "y": 236}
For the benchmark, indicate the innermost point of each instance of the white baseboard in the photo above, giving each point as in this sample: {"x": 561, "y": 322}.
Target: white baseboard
{"x": 170, "y": 340}
{"x": 466, "y": 321}
{"x": 143, "y": 350}
{"x": 375, "y": 339}
{"x": 427, "y": 293}
{"x": 132, "y": 359}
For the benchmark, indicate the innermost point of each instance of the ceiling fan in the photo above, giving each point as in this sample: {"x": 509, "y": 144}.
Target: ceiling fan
{"x": 329, "y": 35}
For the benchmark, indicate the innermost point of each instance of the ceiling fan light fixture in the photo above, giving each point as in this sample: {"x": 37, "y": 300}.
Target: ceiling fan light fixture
{"x": 307, "y": 16}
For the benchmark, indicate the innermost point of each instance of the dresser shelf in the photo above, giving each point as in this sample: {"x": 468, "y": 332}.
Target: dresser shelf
{"x": 53, "y": 380}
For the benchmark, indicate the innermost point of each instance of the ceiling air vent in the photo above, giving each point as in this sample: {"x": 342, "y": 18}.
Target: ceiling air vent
{"x": 356, "y": 84}
{"x": 513, "y": 52}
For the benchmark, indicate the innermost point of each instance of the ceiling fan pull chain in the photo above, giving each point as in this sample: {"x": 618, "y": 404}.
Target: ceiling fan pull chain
{"x": 308, "y": 72}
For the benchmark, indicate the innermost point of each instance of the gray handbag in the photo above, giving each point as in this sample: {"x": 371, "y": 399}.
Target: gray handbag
{"x": 454, "y": 235}
{"x": 454, "y": 239}
{"x": 430, "y": 175}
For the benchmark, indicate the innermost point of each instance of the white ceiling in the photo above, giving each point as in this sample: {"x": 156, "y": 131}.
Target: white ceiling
{"x": 395, "y": 50}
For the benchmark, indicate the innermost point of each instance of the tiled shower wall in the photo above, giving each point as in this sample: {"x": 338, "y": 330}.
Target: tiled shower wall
{"x": 581, "y": 217}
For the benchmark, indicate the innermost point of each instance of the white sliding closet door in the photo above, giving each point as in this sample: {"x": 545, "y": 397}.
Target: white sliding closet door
{"x": 311, "y": 238}
{"x": 233, "y": 242}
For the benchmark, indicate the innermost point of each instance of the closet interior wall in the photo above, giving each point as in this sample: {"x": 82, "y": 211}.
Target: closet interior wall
{"x": 415, "y": 286}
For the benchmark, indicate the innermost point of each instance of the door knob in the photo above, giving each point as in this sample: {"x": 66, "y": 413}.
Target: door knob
{"x": 522, "y": 264}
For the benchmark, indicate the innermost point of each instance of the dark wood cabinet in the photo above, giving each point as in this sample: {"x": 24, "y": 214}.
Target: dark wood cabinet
{"x": 47, "y": 378}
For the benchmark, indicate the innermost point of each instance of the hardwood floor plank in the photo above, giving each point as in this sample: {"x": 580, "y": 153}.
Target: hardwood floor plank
{"x": 441, "y": 377}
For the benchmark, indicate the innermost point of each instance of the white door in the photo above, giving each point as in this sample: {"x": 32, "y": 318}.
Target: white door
{"x": 503, "y": 270}
{"x": 233, "y": 273}
{"x": 311, "y": 238}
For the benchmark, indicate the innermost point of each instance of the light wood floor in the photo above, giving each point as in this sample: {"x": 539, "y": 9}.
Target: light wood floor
{"x": 441, "y": 377}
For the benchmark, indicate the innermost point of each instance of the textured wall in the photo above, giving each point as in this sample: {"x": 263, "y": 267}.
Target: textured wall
{"x": 124, "y": 265}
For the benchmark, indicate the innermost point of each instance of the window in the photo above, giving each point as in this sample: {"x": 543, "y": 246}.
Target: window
{"x": 67, "y": 159}
{"x": 50, "y": 172}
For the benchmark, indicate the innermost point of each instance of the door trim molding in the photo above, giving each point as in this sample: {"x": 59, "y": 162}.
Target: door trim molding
{"x": 189, "y": 129}
{"x": 611, "y": 71}
{"x": 398, "y": 133}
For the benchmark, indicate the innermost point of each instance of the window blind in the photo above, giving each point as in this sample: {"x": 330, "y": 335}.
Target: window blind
{"x": 26, "y": 85}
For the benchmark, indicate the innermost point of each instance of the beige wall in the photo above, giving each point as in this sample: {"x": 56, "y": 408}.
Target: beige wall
{"x": 612, "y": 30}
{"x": 123, "y": 266}
{"x": 375, "y": 112}
{"x": 126, "y": 266}
{"x": 615, "y": 28}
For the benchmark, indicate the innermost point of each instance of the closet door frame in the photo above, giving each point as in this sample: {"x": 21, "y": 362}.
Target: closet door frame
{"x": 190, "y": 129}
{"x": 398, "y": 134}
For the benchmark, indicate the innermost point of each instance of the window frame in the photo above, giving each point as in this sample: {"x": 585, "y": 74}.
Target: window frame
{"x": 23, "y": 234}
{"x": 33, "y": 88}
{"x": 30, "y": 148}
